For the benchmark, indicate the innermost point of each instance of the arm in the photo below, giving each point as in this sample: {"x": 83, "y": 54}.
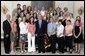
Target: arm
{"x": 27, "y": 27}
{"x": 4, "y": 28}
{"x": 36, "y": 28}
{"x": 79, "y": 32}
{"x": 74, "y": 33}
{"x": 48, "y": 30}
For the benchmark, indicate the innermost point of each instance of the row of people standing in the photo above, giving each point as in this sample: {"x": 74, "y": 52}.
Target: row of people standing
{"x": 55, "y": 32}
{"x": 38, "y": 25}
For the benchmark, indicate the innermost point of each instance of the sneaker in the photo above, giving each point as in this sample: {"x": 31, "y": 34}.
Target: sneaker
{"x": 12, "y": 52}
{"x": 21, "y": 51}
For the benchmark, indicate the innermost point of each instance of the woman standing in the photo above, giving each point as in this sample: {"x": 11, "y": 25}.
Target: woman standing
{"x": 13, "y": 34}
{"x": 31, "y": 35}
{"x": 69, "y": 35}
{"x": 22, "y": 40}
{"x": 77, "y": 34}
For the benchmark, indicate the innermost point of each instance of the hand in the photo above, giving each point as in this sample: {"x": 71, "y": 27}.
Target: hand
{"x": 35, "y": 34}
{"x": 32, "y": 34}
{"x": 45, "y": 34}
{"x": 6, "y": 35}
{"x": 49, "y": 35}
{"x": 76, "y": 37}
{"x": 57, "y": 36}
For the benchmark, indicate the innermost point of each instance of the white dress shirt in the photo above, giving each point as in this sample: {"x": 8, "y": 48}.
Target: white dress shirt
{"x": 60, "y": 30}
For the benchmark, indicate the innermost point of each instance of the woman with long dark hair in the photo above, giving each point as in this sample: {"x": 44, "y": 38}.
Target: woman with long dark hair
{"x": 35, "y": 16}
{"x": 31, "y": 35}
{"x": 78, "y": 34}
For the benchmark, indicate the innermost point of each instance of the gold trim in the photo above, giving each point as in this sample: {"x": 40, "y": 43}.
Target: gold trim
{"x": 80, "y": 10}
{"x": 4, "y": 9}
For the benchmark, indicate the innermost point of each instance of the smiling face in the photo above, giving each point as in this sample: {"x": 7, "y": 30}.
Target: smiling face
{"x": 18, "y": 5}
{"x": 27, "y": 16}
{"x": 21, "y": 14}
{"x": 39, "y": 17}
{"x": 51, "y": 19}
{"x": 68, "y": 22}
{"x": 13, "y": 19}
{"x": 24, "y": 7}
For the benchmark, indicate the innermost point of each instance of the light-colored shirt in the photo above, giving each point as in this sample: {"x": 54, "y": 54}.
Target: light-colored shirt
{"x": 60, "y": 30}
{"x": 56, "y": 23}
{"x": 51, "y": 28}
{"x": 68, "y": 30}
{"x": 23, "y": 26}
{"x": 72, "y": 20}
{"x": 40, "y": 22}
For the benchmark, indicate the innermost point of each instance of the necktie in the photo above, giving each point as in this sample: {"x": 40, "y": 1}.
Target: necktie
{"x": 39, "y": 23}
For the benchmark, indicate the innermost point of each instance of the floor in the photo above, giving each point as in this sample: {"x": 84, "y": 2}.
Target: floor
{"x": 46, "y": 53}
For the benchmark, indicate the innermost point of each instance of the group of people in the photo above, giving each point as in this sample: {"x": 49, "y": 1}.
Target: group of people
{"x": 43, "y": 29}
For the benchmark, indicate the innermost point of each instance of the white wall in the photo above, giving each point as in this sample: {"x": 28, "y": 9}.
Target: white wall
{"x": 77, "y": 4}
{"x": 63, "y": 4}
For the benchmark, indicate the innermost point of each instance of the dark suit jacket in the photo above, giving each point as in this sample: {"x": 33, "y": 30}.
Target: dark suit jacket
{"x": 6, "y": 27}
{"x": 43, "y": 29}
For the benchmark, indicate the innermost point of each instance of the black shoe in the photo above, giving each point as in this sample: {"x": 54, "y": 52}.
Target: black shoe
{"x": 7, "y": 52}
{"x": 61, "y": 52}
{"x": 53, "y": 52}
{"x": 39, "y": 51}
{"x": 43, "y": 51}
{"x": 70, "y": 51}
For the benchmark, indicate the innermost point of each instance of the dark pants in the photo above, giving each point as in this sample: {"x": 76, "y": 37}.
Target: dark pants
{"x": 69, "y": 41}
{"x": 53, "y": 43}
{"x": 40, "y": 42}
{"x": 7, "y": 43}
{"x": 61, "y": 44}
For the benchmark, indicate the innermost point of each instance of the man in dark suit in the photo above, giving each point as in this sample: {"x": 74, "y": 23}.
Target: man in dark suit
{"x": 41, "y": 30}
{"x": 7, "y": 30}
